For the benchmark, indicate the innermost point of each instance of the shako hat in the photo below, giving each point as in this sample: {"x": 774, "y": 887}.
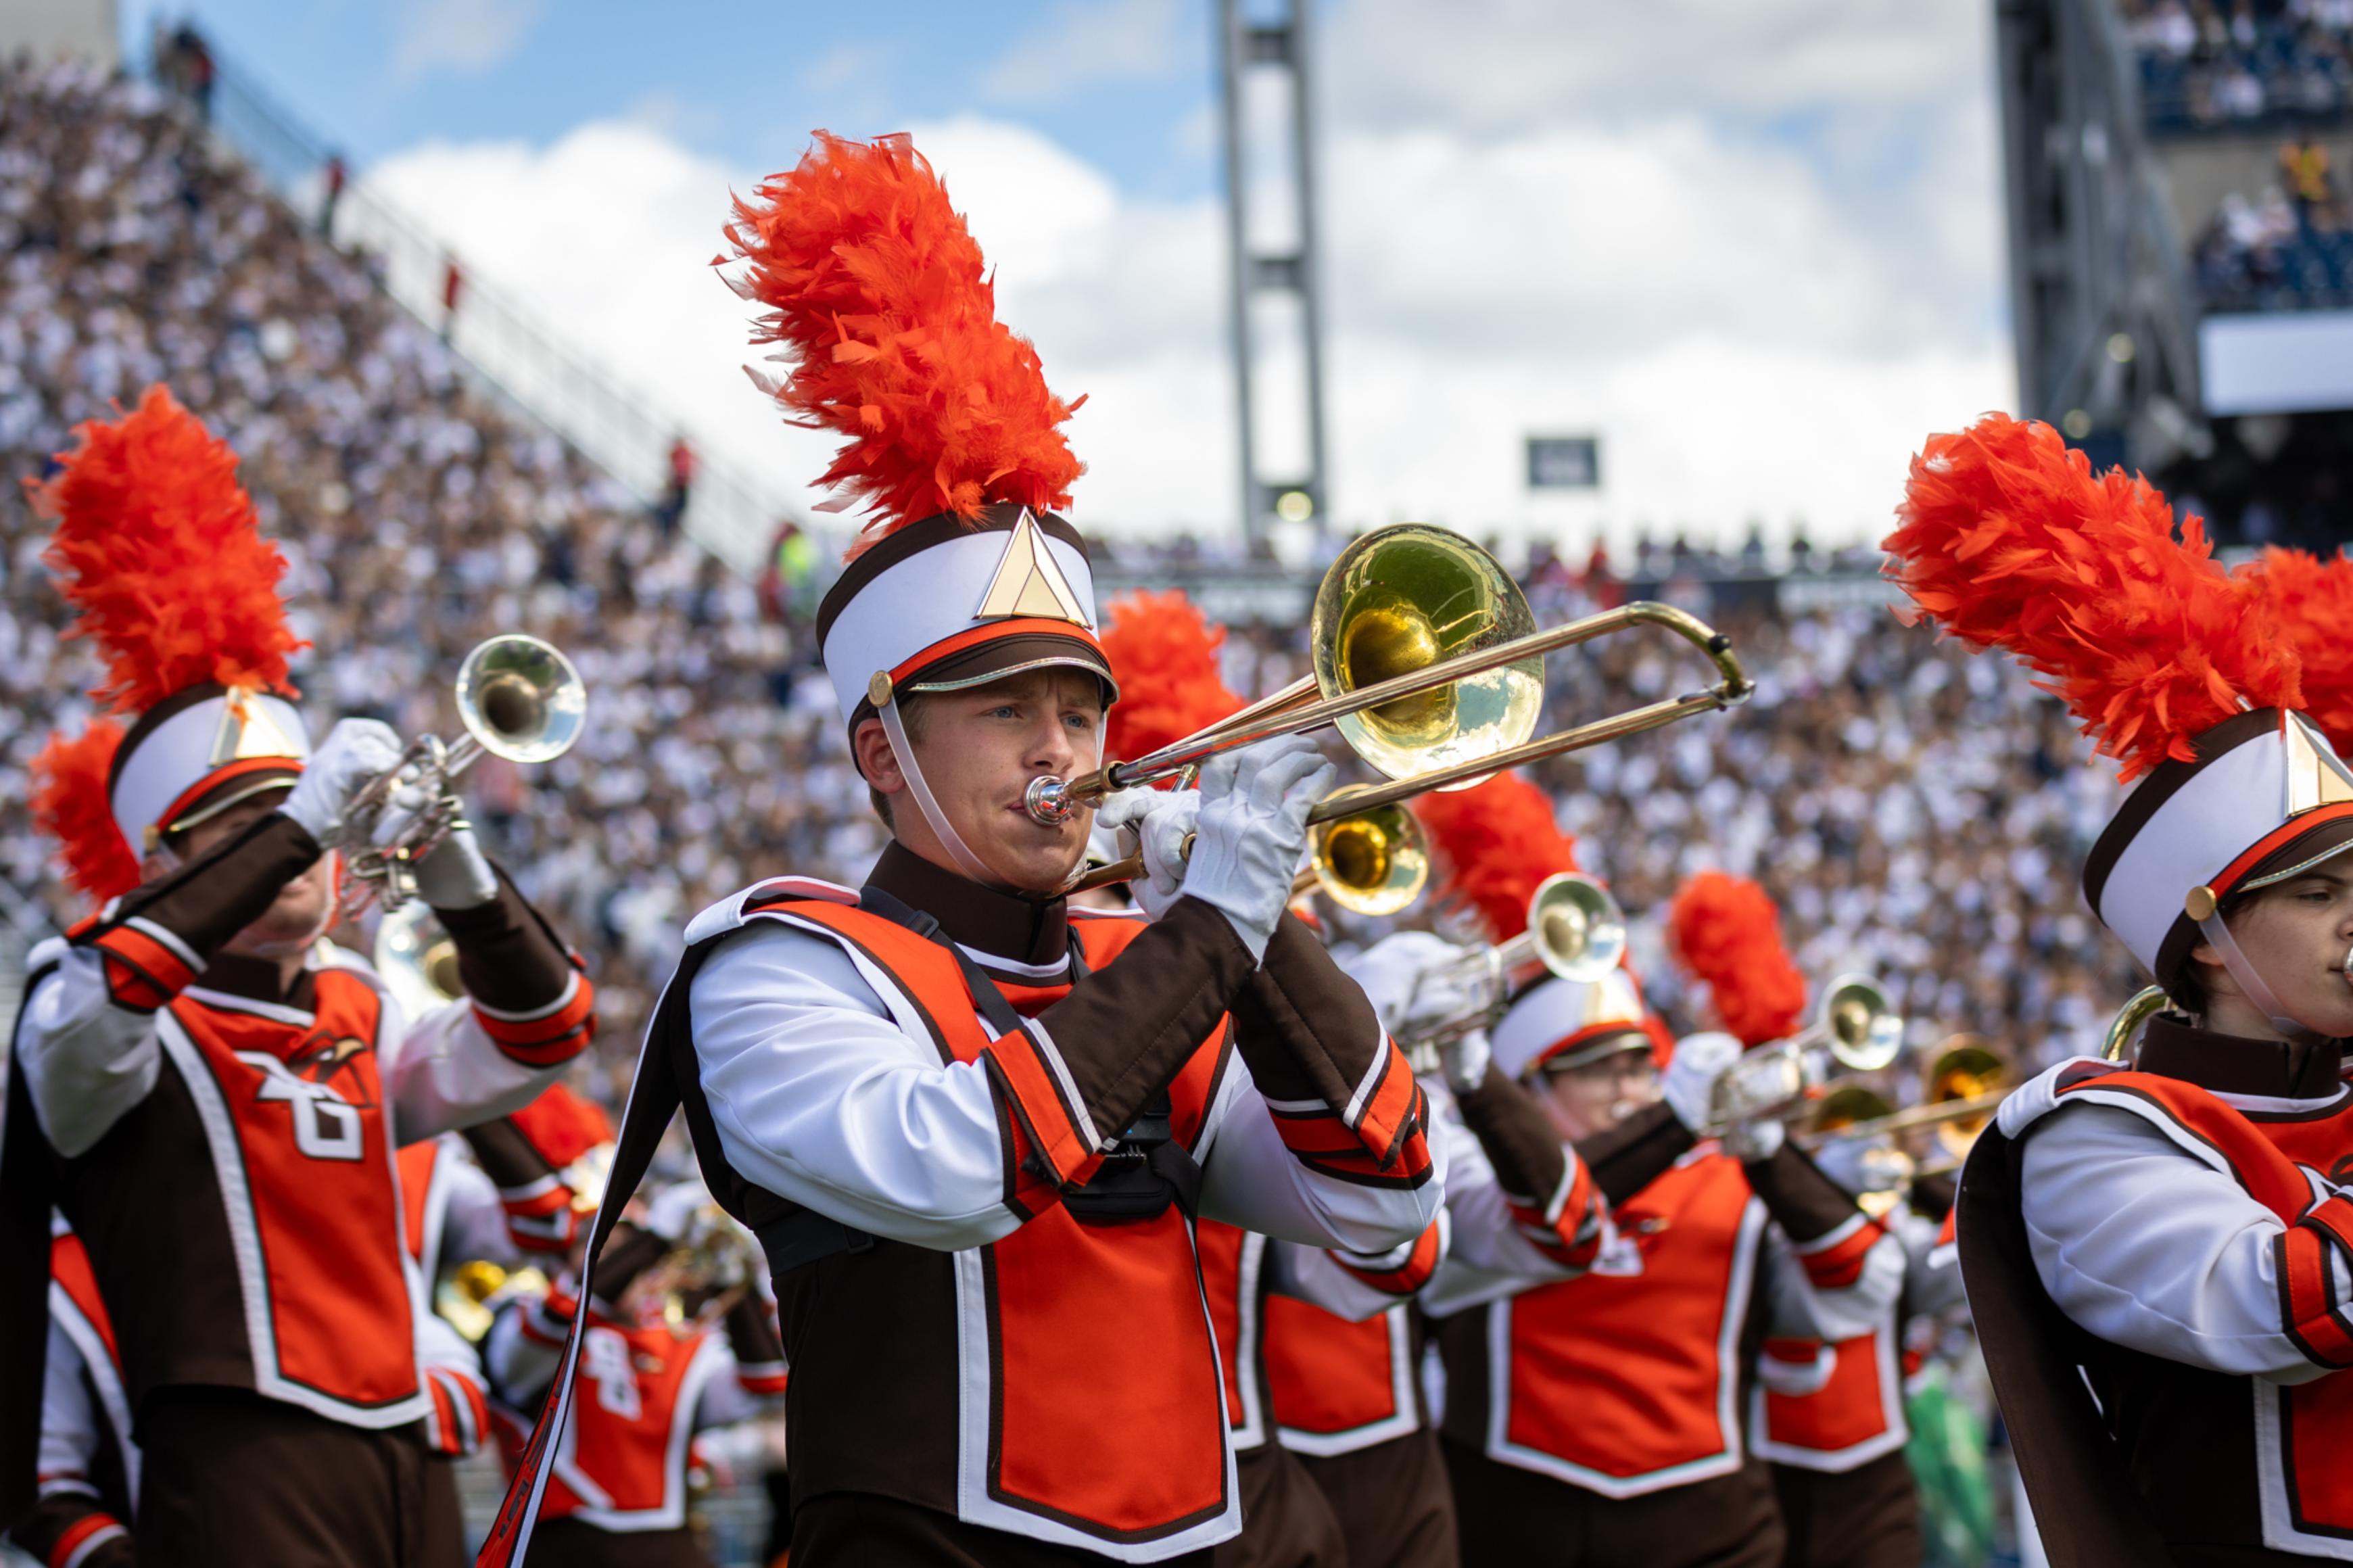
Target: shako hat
{"x": 879, "y": 300}
{"x": 158, "y": 549}
{"x": 1499, "y": 840}
{"x": 2189, "y": 676}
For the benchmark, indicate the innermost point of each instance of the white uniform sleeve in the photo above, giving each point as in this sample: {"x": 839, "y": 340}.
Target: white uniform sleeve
{"x": 70, "y": 1433}
{"x": 723, "y": 1400}
{"x": 820, "y": 1095}
{"x": 86, "y": 1060}
{"x": 1932, "y": 1284}
{"x": 1802, "y": 1303}
{"x": 2148, "y": 1247}
{"x": 522, "y": 1349}
{"x": 474, "y": 1225}
{"x": 444, "y": 1073}
{"x": 1342, "y": 1282}
{"x": 1251, "y": 1179}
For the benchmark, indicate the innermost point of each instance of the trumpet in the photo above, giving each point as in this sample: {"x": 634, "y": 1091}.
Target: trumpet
{"x": 1575, "y": 929}
{"x": 1428, "y": 661}
{"x": 1857, "y": 1028}
{"x": 1879, "y": 1172}
{"x": 519, "y": 698}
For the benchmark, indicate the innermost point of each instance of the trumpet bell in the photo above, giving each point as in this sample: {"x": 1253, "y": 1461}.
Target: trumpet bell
{"x": 416, "y": 958}
{"x": 1865, "y": 1033}
{"x": 1374, "y": 862}
{"x": 1577, "y": 928}
{"x": 1967, "y": 1069}
{"x": 1400, "y": 599}
{"x": 521, "y": 699}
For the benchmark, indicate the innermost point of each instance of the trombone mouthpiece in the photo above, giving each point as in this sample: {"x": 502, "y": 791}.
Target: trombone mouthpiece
{"x": 1048, "y": 801}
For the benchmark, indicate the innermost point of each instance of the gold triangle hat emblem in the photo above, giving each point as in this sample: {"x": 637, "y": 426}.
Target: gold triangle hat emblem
{"x": 2314, "y": 777}
{"x": 247, "y": 729}
{"x": 1029, "y": 583}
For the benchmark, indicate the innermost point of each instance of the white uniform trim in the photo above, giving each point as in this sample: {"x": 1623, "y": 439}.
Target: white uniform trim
{"x": 1774, "y": 1375}
{"x": 88, "y": 1346}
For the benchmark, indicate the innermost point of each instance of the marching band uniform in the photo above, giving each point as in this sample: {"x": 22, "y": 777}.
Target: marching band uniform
{"x": 223, "y": 1143}
{"x": 89, "y": 1463}
{"x": 618, "y": 1499}
{"x": 969, "y": 1129}
{"x": 2158, "y": 1255}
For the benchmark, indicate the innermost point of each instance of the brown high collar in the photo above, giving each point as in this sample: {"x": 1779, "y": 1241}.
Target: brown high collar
{"x": 1007, "y": 925}
{"x": 2233, "y": 1064}
{"x": 256, "y": 980}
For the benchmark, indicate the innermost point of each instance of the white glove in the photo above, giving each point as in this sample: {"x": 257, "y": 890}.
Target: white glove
{"x": 456, "y": 875}
{"x": 1465, "y": 1059}
{"x": 1161, "y": 821}
{"x": 354, "y": 753}
{"x": 1409, "y": 977}
{"x": 1251, "y": 830}
{"x": 1689, "y": 1087}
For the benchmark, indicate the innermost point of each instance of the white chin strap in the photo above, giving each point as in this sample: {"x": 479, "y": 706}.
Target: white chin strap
{"x": 887, "y": 709}
{"x": 2251, "y": 983}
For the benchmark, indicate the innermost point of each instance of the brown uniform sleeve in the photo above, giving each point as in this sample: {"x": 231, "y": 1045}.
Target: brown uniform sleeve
{"x": 65, "y": 1523}
{"x": 529, "y": 991}
{"x": 1637, "y": 1152}
{"x": 1342, "y": 1094}
{"x": 162, "y": 935}
{"x": 1805, "y": 1203}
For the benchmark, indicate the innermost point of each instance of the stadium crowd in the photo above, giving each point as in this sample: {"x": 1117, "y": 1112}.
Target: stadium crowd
{"x": 2220, "y": 64}
{"x": 419, "y": 518}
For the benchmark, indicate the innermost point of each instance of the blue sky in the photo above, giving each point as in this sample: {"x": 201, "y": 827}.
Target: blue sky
{"x": 1753, "y": 245}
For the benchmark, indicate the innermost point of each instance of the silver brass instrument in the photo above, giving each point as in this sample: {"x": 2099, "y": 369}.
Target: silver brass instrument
{"x": 1429, "y": 662}
{"x": 519, "y": 698}
{"x": 1857, "y": 1029}
{"x": 1575, "y": 929}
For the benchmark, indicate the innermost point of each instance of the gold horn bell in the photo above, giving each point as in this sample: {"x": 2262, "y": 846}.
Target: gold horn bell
{"x": 1374, "y": 862}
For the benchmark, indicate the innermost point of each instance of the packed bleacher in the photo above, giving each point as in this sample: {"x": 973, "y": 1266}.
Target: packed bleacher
{"x": 2221, "y": 65}
{"x": 420, "y": 518}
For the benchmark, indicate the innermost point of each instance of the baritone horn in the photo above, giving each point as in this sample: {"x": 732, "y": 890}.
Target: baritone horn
{"x": 1856, "y": 1028}
{"x": 1575, "y": 929}
{"x": 519, "y": 698}
{"x": 1429, "y": 662}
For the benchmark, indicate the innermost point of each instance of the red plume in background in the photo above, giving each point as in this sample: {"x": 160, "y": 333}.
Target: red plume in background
{"x": 70, "y": 804}
{"x": 1724, "y": 930}
{"x": 1164, "y": 654}
{"x": 1500, "y": 840}
{"x": 562, "y": 1125}
{"x": 2007, "y": 540}
{"x": 879, "y": 298}
{"x": 159, "y": 551}
{"x": 2314, "y": 601}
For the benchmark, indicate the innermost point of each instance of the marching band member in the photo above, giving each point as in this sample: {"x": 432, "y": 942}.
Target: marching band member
{"x": 90, "y": 1461}
{"x": 1596, "y": 1420}
{"x": 211, "y": 1094}
{"x": 646, "y": 1386}
{"x": 969, "y": 1125}
{"x": 2160, "y": 1259}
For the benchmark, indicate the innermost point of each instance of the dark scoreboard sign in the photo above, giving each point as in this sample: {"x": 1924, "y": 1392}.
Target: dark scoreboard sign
{"x": 1563, "y": 462}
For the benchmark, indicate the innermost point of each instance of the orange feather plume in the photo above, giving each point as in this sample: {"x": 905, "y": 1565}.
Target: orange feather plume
{"x": 1725, "y": 931}
{"x": 1500, "y": 840}
{"x": 71, "y": 805}
{"x": 1164, "y": 654}
{"x": 159, "y": 551}
{"x": 2314, "y": 601}
{"x": 878, "y": 296}
{"x": 2007, "y": 540}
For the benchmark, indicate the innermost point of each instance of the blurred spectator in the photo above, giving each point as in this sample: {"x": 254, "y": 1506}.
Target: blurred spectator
{"x": 453, "y": 288}
{"x": 336, "y": 176}
{"x": 2206, "y": 65}
{"x": 671, "y": 507}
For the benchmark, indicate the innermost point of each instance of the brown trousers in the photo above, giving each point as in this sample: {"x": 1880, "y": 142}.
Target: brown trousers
{"x": 229, "y": 1480}
{"x": 1513, "y": 1517}
{"x": 860, "y": 1530}
{"x": 1393, "y": 1500}
{"x": 1286, "y": 1523}
{"x": 576, "y": 1544}
{"x": 1868, "y": 1517}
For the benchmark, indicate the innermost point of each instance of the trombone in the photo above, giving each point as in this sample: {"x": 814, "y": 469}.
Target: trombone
{"x": 1374, "y": 862}
{"x": 1857, "y": 1028}
{"x": 519, "y": 698}
{"x": 1959, "y": 1093}
{"x": 1575, "y": 929}
{"x": 1429, "y": 663}
{"x": 1879, "y": 1172}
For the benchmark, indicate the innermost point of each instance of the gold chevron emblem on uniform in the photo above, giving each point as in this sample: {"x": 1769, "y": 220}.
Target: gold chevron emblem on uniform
{"x": 1029, "y": 582}
{"x": 247, "y": 730}
{"x": 2314, "y": 777}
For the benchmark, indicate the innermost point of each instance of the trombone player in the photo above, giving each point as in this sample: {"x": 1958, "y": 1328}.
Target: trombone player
{"x": 208, "y": 1090}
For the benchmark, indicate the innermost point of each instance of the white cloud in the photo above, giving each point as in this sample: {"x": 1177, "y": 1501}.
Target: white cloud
{"x": 1088, "y": 43}
{"x": 1753, "y": 335}
{"x": 465, "y": 36}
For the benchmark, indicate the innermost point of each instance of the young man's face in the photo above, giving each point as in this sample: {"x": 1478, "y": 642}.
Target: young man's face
{"x": 301, "y": 911}
{"x": 1585, "y": 1100}
{"x": 979, "y": 750}
{"x": 2297, "y": 934}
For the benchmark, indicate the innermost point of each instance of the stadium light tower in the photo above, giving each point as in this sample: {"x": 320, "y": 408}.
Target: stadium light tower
{"x": 2106, "y": 330}
{"x": 1271, "y": 269}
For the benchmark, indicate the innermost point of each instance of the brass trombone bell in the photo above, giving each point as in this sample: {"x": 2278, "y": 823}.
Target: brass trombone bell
{"x": 1374, "y": 862}
{"x": 1965, "y": 1073}
{"x": 1428, "y": 661}
{"x": 1844, "y": 1107}
{"x": 1856, "y": 1026}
